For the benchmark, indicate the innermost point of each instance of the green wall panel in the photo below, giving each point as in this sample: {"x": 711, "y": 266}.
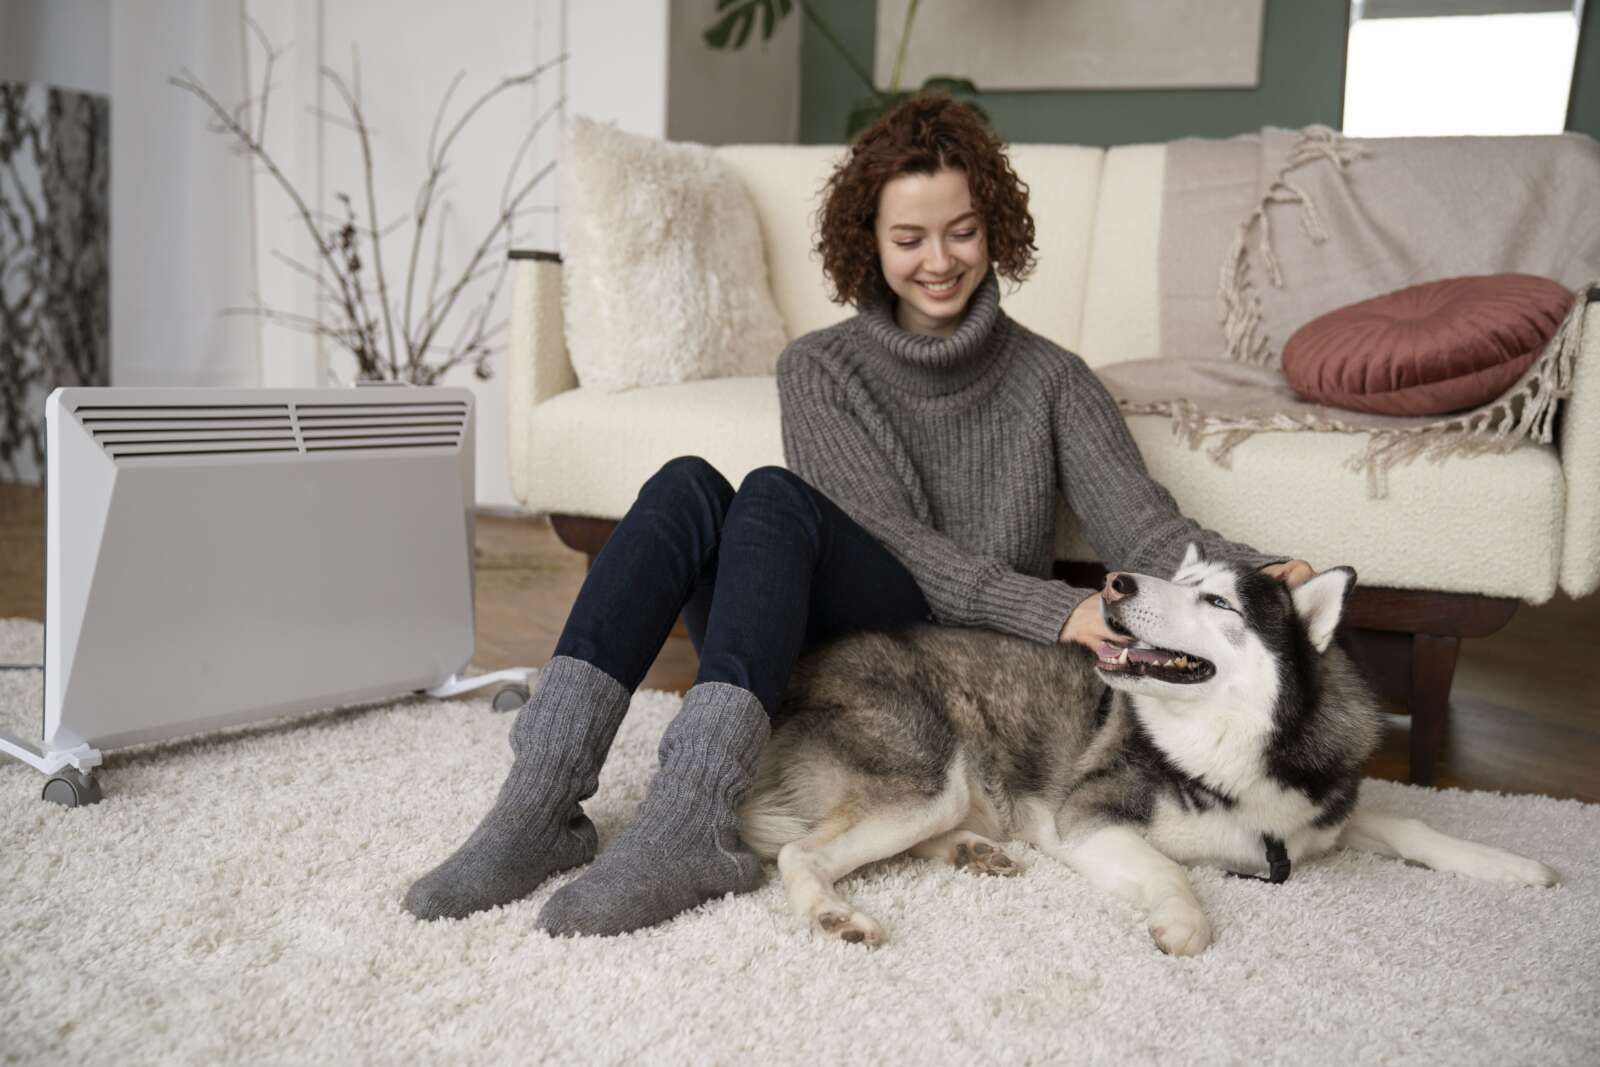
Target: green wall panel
{"x": 1583, "y": 111}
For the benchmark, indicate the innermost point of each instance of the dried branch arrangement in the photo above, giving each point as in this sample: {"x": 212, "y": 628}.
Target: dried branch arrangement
{"x": 386, "y": 321}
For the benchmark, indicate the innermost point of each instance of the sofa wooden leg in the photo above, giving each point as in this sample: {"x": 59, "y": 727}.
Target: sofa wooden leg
{"x": 1433, "y": 666}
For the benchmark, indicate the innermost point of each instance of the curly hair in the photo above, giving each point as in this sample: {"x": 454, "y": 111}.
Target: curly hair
{"x": 927, "y": 133}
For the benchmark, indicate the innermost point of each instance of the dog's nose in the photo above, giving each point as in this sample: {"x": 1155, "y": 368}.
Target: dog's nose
{"x": 1119, "y": 585}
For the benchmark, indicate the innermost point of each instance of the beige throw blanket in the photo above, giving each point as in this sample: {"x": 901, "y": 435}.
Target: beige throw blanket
{"x": 1260, "y": 234}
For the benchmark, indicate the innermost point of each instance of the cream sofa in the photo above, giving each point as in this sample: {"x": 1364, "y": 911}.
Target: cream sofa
{"x": 1449, "y": 553}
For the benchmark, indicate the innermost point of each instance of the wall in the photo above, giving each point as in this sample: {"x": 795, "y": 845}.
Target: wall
{"x": 642, "y": 65}
{"x": 1302, "y": 82}
{"x": 748, "y": 96}
{"x": 65, "y": 43}
{"x": 619, "y": 68}
{"x": 180, "y": 217}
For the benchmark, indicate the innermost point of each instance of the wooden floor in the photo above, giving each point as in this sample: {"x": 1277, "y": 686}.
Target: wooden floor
{"x": 1525, "y": 710}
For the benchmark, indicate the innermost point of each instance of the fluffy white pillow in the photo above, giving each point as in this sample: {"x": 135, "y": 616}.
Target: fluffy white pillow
{"x": 664, "y": 278}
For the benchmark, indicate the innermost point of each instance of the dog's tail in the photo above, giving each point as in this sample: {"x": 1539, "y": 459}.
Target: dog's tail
{"x": 794, "y": 790}
{"x": 768, "y": 825}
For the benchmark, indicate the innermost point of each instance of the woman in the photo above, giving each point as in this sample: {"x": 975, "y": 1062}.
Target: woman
{"x": 927, "y": 437}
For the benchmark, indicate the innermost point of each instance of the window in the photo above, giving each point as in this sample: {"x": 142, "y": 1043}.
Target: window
{"x": 1422, "y": 68}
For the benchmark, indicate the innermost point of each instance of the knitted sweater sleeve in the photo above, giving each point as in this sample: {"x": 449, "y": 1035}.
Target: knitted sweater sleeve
{"x": 1130, "y": 520}
{"x": 827, "y": 445}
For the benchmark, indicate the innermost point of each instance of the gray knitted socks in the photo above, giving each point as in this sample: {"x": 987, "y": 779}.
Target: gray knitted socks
{"x": 683, "y": 847}
{"x": 536, "y": 827}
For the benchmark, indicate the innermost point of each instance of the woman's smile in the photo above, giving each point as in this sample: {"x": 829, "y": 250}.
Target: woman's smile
{"x": 942, "y": 290}
{"x": 932, "y": 248}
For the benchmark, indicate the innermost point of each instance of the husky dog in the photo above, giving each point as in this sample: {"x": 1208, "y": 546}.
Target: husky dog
{"x": 1232, "y": 731}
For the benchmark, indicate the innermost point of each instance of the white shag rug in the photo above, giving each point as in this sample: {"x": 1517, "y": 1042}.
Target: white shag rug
{"x": 236, "y": 899}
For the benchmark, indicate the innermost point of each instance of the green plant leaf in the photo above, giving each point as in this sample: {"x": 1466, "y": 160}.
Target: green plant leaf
{"x": 737, "y": 17}
{"x": 870, "y": 109}
{"x": 719, "y": 33}
{"x": 962, "y": 89}
{"x": 953, "y": 86}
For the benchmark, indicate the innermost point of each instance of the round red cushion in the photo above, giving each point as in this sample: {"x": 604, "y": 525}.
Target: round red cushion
{"x": 1429, "y": 349}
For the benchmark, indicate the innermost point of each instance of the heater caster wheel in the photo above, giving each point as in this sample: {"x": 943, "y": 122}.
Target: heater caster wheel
{"x": 72, "y": 788}
{"x": 510, "y": 697}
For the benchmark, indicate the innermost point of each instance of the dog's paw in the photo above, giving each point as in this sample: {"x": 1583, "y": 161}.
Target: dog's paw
{"x": 1180, "y": 928}
{"x": 984, "y": 858}
{"x": 1497, "y": 865}
{"x": 847, "y": 924}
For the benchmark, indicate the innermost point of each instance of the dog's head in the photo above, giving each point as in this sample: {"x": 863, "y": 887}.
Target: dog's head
{"x": 1216, "y": 629}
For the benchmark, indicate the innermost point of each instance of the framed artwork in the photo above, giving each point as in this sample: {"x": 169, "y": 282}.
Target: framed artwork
{"x": 1081, "y": 44}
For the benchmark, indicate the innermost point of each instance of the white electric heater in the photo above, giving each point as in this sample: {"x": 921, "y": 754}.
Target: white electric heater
{"x": 220, "y": 556}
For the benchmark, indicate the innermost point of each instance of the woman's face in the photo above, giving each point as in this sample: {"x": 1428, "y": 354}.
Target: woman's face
{"x": 932, "y": 248}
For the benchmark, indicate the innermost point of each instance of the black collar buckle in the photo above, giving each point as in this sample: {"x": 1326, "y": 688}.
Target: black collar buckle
{"x": 1277, "y": 862}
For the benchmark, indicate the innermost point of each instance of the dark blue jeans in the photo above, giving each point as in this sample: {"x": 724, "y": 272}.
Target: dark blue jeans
{"x": 759, "y": 576}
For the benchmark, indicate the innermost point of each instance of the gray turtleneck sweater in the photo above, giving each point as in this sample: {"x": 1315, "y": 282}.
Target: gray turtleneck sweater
{"x": 950, "y": 451}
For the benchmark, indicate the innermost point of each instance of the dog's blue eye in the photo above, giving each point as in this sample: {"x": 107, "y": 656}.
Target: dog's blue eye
{"x": 1219, "y": 602}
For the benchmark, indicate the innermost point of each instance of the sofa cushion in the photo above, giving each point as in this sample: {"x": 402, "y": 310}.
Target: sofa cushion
{"x": 782, "y": 182}
{"x": 664, "y": 279}
{"x": 1427, "y": 349}
{"x": 1063, "y": 189}
{"x": 1492, "y": 524}
{"x": 1063, "y": 186}
{"x": 589, "y": 452}
{"x": 1121, "y": 320}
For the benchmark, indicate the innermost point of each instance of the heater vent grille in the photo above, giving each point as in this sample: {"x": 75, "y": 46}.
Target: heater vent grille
{"x": 349, "y": 427}
{"x": 133, "y": 432}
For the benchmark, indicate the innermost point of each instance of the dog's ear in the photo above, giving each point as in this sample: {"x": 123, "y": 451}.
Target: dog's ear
{"x": 1320, "y": 603}
{"x": 1191, "y": 556}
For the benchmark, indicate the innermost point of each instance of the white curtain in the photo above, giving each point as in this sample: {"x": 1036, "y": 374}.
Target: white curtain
{"x": 181, "y": 247}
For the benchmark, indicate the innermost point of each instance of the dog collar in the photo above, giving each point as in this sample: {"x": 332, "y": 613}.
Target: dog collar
{"x": 1277, "y": 862}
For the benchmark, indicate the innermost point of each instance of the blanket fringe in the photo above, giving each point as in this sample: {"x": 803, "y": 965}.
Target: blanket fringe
{"x": 1238, "y": 308}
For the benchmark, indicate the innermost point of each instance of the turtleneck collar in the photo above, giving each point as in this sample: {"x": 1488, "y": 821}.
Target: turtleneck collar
{"x": 934, "y": 366}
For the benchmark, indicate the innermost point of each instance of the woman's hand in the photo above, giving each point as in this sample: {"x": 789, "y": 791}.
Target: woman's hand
{"x": 1087, "y": 626}
{"x": 1291, "y": 572}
